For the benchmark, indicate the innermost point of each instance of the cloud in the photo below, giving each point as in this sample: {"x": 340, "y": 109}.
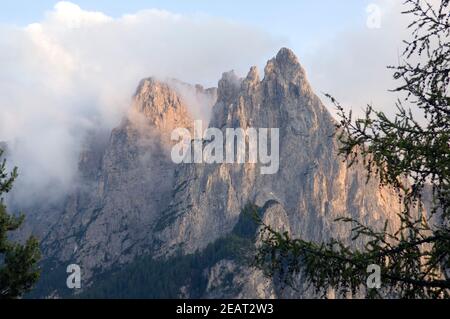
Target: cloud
{"x": 76, "y": 70}
{"x": 353, "y": 65}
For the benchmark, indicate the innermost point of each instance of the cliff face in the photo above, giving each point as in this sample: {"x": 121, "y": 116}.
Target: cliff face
{"x": 126, "y": 184}
{"x": 313, "y": 186}
{"x": 136, "y": 201}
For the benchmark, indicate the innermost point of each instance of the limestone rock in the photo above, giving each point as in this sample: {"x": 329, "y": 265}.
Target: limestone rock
{"x": 134, "y": 200}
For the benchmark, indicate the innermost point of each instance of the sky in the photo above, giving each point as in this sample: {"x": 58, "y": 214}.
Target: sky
{"x": 288, "y": 16}
{"x": 305, "y": 26}
{"x": 300, "y": 22}
{"x": 67, "y": 68}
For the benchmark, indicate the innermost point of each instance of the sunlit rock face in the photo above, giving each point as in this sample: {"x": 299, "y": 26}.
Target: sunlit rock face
{"x": 312, "y": 187}
{"x": 109, "y": 220}
{"x": 134, "y": 201}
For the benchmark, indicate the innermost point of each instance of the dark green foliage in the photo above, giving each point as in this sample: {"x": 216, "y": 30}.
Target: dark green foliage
{"x": 162, "y": 278}
{"x": 406, "y": 155}
{"x": 52, "y": 278}
{"x": 18, "y": 263}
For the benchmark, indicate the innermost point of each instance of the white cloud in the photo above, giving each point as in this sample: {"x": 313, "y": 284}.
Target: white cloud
{"x": 353, "y": 66}
{"x": 77, "y": 69}
{"x": 72, "y": 16}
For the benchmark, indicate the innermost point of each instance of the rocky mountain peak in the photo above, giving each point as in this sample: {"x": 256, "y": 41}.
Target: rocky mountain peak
{"x": 285, "y": 69}
{"x": 160, "y": 104}
{"x": 286, "y": 55}
{"x": 229, "y": 86}
{"x": 253, "y": 75}
{"x": 142, "y": 204}
{"x": 252, "y": 80}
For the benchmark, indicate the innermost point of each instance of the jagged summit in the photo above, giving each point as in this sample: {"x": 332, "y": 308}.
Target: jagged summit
{"x": 172, "y": 103}
{"x": 228, "y": 86}
{"x": 283, "y": 73}
{"x": 287, "y": 56}
{"x": 161, "y": 105}
{"x": 157, "y": 99}
{"x": 286, "y": 70}
{"x": 253, "y": 75}
{"x": 252, "y": 80}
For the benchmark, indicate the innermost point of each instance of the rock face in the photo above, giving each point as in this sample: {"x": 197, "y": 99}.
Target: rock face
{"x": 313, "y": 186}
{"x": 126, "y": 184}
{"x": 135, "y": 201}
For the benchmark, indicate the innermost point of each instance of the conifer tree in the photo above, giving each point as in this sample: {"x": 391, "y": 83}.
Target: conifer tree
{"x": 18, "y": 262}
{"x": 409, "y": 155}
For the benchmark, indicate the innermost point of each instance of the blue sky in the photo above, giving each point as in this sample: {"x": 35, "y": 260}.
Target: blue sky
{"x": 302, "y": 22}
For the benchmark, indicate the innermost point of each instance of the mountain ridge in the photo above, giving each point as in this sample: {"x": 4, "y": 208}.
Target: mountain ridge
{"x": 139, "y": 203}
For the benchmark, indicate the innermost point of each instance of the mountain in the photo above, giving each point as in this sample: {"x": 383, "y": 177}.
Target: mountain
{"x": 161, "y": 229}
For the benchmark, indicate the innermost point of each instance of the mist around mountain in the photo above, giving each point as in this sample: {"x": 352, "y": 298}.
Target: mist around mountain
{"x": 141, "y": 226}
